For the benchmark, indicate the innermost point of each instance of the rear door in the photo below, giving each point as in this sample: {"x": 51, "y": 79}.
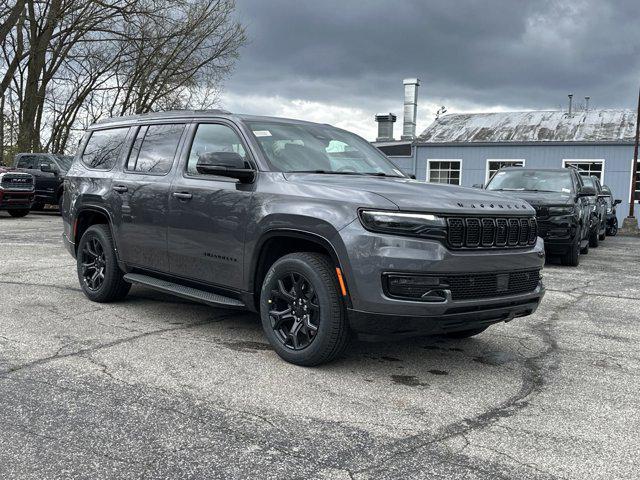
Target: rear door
{"x": 208, "y": 213}
{"x": 141, "y": 190}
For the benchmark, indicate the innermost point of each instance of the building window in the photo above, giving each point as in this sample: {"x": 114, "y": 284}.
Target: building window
{"x": 494, "y": 165}
{"x": 444, "y": 171}
{"x": 587, "y": 167}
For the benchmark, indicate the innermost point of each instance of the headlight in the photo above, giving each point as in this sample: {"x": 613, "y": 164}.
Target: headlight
{"x": 399, "y": 223}
{"x": 561, "y": 210}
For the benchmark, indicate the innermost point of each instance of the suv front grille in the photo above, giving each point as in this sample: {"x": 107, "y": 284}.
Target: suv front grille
{"x": 483, "y": 232}
{"x": 466, "y": 286}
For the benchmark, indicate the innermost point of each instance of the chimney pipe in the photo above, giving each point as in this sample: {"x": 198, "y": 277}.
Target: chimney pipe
{"x": 385, "y": 126}
{"x": 586, "y": 100}
{"x": 570, "y": 103}
{"x": 410, "y": 108}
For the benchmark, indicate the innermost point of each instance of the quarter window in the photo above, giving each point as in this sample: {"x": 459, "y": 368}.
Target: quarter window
{"x": 588, "y": 167}
{"x": 103, "y": 148}
{"x": 444, "y": 171}
{"x": 154, "y": 148}
{"x": 213, "y": 137}
{"x": 494, "y": 165}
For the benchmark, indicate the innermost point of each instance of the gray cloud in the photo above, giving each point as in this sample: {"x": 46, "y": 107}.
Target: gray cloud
{"x": 508, "y": 53}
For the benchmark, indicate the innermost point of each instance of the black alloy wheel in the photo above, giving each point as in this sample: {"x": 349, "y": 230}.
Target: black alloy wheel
{"x": 294, "y": 311}
{"x": 93, "y": 264}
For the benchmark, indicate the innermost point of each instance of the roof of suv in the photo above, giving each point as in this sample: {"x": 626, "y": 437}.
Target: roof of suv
{"x": 190, "y": 115}
{"x": 542, "y": 169}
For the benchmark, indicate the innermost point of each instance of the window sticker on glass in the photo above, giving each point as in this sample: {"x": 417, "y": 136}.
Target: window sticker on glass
{"x": 566, "y": 190}
{"x": 262, "y": 133}
{"x": 500, "y": 173}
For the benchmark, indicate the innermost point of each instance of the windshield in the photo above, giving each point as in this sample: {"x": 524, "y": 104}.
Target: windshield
{"x": 319, "y": 149}
{"x": 532, "y": 180}
{"x": 589, "y": 181}
{"x": 64, "y": 161}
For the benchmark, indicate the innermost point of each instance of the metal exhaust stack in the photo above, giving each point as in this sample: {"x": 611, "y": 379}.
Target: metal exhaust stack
{"x": 385, "y": 126}
{"x": 410, "y": 108}
{"x": 570, "y": 103}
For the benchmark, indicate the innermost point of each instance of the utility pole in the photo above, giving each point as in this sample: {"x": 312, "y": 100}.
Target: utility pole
{"x": 630, "y": 225}
{"x": 635, "y": 162}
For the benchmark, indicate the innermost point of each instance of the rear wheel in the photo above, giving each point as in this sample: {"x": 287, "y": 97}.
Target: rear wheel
{"x": 100, "y": 277}
{"x": 302, "y": 311}
{"x": 19, "y": 213}
{"x": 612, "y": 230}
{"x": 594, "y": 237}
{"x": 466, "y": 333}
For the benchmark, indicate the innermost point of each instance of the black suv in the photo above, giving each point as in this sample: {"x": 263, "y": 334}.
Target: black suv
{"x": 49, "y": 171}
{"x": 563, "y": 204}
{"x": 307, "y": 224}
{"x": 598, "y": 205}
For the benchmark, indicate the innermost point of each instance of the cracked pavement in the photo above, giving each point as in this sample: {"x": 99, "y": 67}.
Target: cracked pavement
{"x": 158, "y": 387}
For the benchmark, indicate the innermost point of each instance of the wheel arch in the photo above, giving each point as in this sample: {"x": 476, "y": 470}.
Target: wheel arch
{"x": 88, "y": 216}
{"x": 276, "y": 243}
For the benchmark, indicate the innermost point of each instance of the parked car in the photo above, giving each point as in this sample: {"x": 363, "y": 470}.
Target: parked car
{"x": 612, "y": 219}
{"x": 49, "y": 171}
{"x": 307, "y": 224}
{"x": 599, "y": 210}
{"x": 16, "y": 191}
{"x": 562, "y": 202}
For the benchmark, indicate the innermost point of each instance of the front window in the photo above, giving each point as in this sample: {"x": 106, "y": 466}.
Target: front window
{"x": 319, "y": 149}
{"x": 531, "y": 181}
{"x": 444, "y": 171}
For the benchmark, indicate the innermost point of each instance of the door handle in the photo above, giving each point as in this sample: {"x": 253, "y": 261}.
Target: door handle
{"x": 183, "y": 195}
{"x": 120, "y": 188}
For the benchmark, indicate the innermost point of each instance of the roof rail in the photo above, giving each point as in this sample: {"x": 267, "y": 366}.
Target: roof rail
{"x": 167, "y": 114}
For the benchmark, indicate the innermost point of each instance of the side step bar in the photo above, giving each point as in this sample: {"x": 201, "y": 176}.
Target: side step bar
{"x": 184, "y": 292}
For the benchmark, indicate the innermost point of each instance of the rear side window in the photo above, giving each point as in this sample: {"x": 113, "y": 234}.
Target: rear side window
{"x": 103, "y": 148}
{"x": 26, "y": 161}
{"x": 154, "y": 148}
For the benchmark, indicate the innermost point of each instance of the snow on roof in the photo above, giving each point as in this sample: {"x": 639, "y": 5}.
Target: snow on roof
{"x": 536, "y": 126}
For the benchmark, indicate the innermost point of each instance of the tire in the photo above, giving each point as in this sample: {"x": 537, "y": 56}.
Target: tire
{"x": 37, "y": 206}
{"x": 572, "y": 257}
{"x": 612, "y": 231}
{"x": 466, "y": 333}
{"x": 304, "y": 286}
{"x": 585, "y": 250}
{"x": 602, "y": 236}
{"x": 594, "y": 238}
{"x": 23, "y": 212}
{"x": 97, "y": 244}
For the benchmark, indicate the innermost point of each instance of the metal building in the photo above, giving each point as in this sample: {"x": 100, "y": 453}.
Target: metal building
{"x": 466, "y": 149}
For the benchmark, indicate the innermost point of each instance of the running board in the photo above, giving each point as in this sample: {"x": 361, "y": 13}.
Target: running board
{"x": 184, "y": 292}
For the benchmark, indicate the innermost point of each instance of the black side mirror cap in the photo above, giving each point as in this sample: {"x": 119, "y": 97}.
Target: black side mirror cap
{"x": 225, "y": 164}
{"x": 47, "y": 168}
{"x": 412, "y": 176}
{"x": 617, "y": 201}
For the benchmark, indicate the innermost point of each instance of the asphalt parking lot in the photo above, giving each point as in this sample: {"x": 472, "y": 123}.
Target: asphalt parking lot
{"x": 157, "y": 387}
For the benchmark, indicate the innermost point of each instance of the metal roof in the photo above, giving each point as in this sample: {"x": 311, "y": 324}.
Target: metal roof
{"x": 592, "y": 126}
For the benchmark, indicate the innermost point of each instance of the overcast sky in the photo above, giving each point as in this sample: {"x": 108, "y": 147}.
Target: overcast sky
{"x": 340, "y": 62}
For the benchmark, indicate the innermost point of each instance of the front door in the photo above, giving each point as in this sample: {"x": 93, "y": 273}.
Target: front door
{"x": 208, "y": 213}
{"x": 142, "y": 193}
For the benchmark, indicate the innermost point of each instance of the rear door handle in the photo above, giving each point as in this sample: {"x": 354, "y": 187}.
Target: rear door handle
{"x": 120, "y": 188}
{"x": 183, "y": 195}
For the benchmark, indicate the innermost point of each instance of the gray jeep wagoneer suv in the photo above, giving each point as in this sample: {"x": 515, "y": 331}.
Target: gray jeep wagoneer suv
{"x": 307, "y": 224}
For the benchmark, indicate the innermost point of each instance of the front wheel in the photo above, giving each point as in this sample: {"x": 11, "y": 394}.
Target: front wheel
{"x": 302, "y": 311}
{"x": 572, "y": 256}
{"x": 100, "y": 277}
{"x": 612, "y": 231}
{"x": 23, "y": 212}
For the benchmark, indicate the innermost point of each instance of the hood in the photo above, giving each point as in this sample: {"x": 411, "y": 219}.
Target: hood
{"x": 413, "y": 195}
{"x": 541, "y": 198}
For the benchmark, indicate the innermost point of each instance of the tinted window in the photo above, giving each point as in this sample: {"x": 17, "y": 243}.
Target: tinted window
{"x": 154, "y": 148}
{"x": 64, "y": 161}
{"x": 103, "y": 148}
{"x": 214, "y": 138}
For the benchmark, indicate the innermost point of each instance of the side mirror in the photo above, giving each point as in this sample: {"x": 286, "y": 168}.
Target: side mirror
{"x": 47, "y": 168}
{"x": 587, "y": 191}
{"x": 224, "y": 164}
{"x": 478, "y": 185}
{"x": 617, "y": 201}
{"x": 412, "y": 176}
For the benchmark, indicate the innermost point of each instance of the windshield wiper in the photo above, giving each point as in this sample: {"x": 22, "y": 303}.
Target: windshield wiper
{"x": 334, "y": 172}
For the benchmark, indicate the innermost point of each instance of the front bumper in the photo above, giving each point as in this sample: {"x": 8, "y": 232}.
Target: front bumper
{"x": 16, "y": 199}
{"x": 366, "y": 256}
{"x": 559, "y": 233}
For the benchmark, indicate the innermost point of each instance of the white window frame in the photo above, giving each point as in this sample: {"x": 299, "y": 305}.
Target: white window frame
{"x": 433, "y": 160}
{"x": 486, "y": 174}
{"x": 586, "y": 160}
